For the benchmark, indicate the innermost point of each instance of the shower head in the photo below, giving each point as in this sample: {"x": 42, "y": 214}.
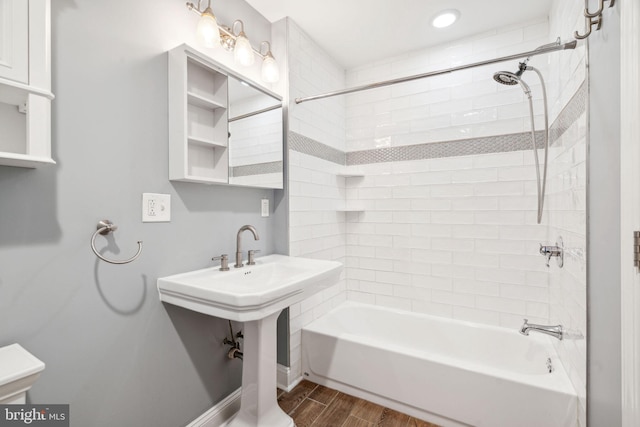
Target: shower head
{"x": 506, "y": 78}
{"x": 511, "y": 79}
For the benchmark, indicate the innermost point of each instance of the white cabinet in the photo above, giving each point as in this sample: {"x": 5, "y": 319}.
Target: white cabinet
{"x": 198, "y": 113}
{"x": 25, "y": 82}
{"x": 14, "y": 40}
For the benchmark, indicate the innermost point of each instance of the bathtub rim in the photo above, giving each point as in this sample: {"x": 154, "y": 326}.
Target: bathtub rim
{"x": 559, "y": 382}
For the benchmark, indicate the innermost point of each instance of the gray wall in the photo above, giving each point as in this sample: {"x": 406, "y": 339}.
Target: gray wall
{"x": 116, "y": 354}
{"x": 603, "y": 271}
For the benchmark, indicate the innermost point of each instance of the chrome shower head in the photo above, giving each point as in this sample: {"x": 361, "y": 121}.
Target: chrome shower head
{"x": 506, "y": 78}
{"x": 512, "y": 79}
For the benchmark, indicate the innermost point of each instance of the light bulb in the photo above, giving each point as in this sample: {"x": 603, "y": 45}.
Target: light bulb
{"x": 270, "y": 72}
{"x": 243, "y": 52}
{"x": 208, "y": 29}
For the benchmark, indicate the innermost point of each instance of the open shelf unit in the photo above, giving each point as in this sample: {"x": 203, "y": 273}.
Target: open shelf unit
{"x": 198, "y": 113}
{"x": 25, "y": 83}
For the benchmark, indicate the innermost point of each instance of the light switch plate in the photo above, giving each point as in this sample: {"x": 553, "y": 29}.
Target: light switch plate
{"x": 265, "y": 207}
{"x": 156, "y": 207}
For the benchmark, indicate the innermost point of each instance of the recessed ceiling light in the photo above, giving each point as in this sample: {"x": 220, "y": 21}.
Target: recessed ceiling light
{"x": 445, "y": 18}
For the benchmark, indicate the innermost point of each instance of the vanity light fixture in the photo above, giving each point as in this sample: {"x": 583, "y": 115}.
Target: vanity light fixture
{"x": 445, "y": 18}
{"x": 243, "y": 52}
{"x": 212, "y": 35}
{"x": 207, "y": 29}
{"x": 270, "y": 72}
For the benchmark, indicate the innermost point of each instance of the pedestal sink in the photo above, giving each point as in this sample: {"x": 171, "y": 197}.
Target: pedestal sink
{"x": 254, "y": 295}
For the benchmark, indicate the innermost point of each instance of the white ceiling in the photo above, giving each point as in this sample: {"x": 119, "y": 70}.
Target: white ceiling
{"x": 356, "y": 32}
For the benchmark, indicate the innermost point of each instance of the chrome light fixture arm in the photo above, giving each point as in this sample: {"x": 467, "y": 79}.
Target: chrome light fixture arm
{"x": 229, "y": 39}
{"x": 196, "y": 9}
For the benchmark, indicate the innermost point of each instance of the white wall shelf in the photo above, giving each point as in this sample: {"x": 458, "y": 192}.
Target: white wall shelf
{"x": 205, "y": 142}
{"x": 25, "y": 83}
{"x": 203, "y": 102}
{"x": 198, "y": 118}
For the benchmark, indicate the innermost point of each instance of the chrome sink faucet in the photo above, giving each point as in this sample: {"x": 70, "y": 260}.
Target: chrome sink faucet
{"x": 252, "y": 229}
{"x": 555, "y": 331}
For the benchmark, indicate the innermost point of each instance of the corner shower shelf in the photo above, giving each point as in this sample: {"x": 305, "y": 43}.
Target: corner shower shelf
{"x": 347, "y": 174}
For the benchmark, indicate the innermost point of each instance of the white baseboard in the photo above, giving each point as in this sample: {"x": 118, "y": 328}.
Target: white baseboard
{"x": 284, "y": 380}
{"x": 220, "y": 413}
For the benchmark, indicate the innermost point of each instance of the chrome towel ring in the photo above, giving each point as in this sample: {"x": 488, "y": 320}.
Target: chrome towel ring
{"x": 105, "y": 227}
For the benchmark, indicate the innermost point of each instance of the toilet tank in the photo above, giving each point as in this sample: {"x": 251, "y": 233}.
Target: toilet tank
{"x": 19, "y": 369}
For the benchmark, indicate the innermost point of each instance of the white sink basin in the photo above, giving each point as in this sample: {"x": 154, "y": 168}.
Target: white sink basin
{"x": 251, "y": 292}
{"x": 254, "y": 295}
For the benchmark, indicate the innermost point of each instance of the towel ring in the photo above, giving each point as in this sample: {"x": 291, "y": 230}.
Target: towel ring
{"x": 105, "y": 227}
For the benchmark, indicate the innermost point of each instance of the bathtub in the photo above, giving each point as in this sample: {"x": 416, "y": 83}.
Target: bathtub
{"x": 448, "y": 372}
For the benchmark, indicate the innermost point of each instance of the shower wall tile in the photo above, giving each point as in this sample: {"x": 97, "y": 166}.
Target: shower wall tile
{"x": 566, "y": 199}
{"x": 449, "y": 240}
{"x": 473, "y": 236}
{"x": 462, "y": 105}
{"x": 316, "y": 156}
{"x": 448, "y": 226}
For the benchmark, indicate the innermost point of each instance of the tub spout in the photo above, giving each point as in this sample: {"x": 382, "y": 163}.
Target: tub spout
{"x": 555, "y": 331}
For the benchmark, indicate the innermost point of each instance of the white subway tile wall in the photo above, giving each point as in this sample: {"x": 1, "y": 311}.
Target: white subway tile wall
{"x": 316, "y": 228}
{"x": 436, "y": 238}
{"x": 566, "y": 203}
{"x": 460, "y": 105}
{"x": 452, "y": 236}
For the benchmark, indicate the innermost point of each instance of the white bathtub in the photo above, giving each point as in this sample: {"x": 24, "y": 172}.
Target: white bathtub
{"x": 445, "y": 371}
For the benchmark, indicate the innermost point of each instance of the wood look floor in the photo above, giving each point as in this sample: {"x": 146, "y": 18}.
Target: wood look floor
{"x": 314, "y": 405}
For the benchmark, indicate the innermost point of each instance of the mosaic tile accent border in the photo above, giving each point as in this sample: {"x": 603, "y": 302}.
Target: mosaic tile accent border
{"x": 434, "y": 150}
{"x": 257, "y": 169}
{"x": 314, "y": 148}
{"x": 574, "y": 109}
{"x": 462, "y": 147}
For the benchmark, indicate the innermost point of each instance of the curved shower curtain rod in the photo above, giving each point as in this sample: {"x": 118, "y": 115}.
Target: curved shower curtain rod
{"x": 539, "y": 51}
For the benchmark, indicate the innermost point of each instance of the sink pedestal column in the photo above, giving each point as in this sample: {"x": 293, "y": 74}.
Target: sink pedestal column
{"x": 258, "y": 402}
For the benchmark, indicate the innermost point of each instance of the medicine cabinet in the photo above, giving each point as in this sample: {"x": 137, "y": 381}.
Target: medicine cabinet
{"x": 223, "y": 128}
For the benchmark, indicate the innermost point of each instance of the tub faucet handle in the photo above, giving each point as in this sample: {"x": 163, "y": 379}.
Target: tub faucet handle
{"x": 556, "y": 251}
{"x": 546, "y": 252}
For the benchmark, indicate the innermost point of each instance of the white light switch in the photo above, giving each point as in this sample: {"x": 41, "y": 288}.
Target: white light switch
{"x": 265, "y": 207}
{"x": 156, "y": 207}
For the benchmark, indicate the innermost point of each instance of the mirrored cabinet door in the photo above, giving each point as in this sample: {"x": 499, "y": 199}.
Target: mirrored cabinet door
{"x": 255, "y": 137}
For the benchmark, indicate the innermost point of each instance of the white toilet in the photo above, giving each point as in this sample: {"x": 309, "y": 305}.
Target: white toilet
{"x": 19, "y": 369}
